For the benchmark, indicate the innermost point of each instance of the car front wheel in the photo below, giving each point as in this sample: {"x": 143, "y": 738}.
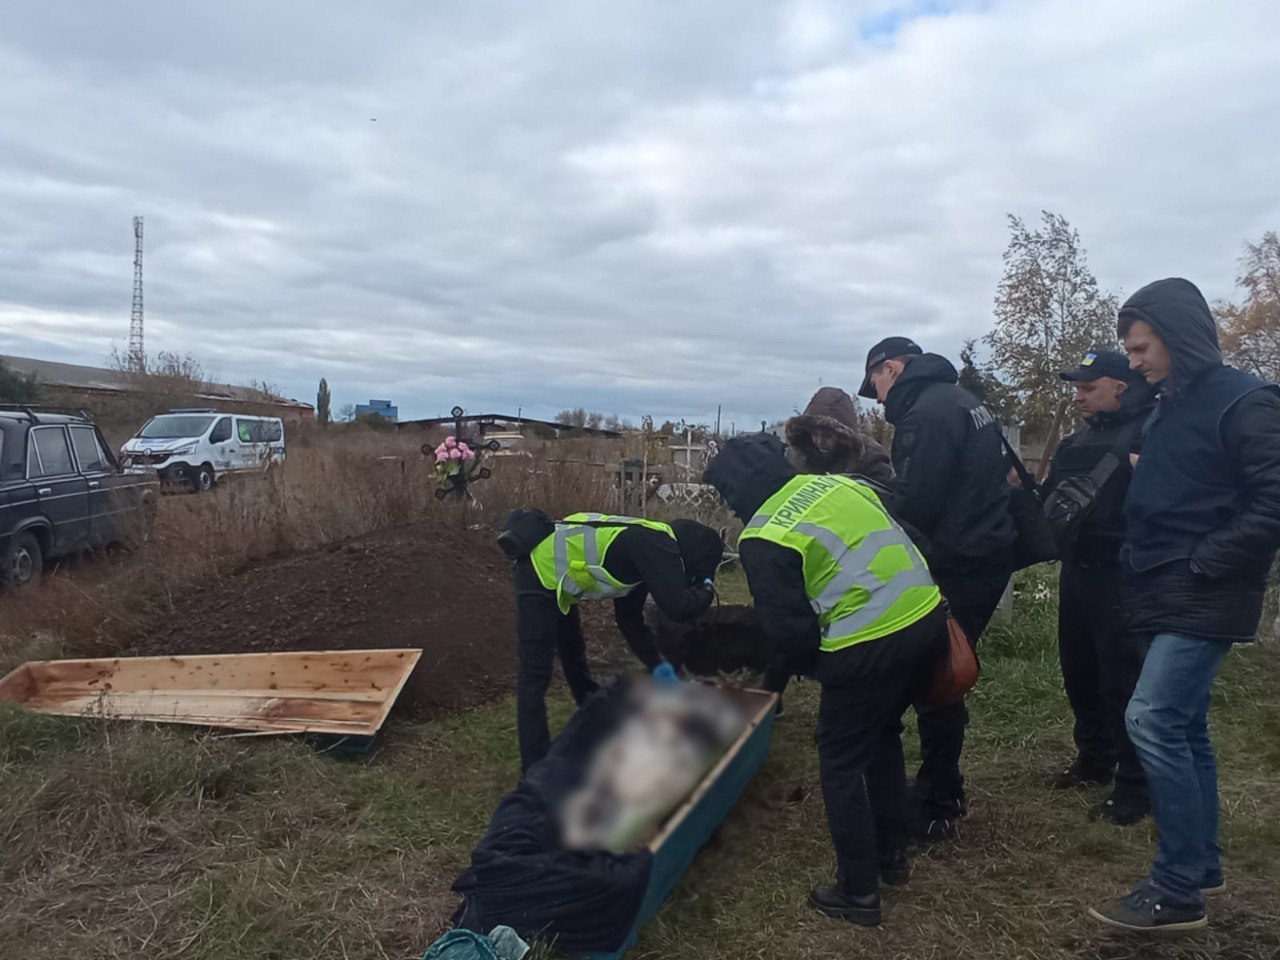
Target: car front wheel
{"x": 203, "y": 480}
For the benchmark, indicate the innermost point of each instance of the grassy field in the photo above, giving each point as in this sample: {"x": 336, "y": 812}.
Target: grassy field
{"x": 127, "y": 841}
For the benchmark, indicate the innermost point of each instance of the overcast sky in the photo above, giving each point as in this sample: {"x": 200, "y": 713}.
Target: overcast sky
{"x": 639, "y": 206}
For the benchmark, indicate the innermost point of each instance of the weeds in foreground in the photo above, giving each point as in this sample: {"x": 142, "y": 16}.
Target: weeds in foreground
{"x": 121, "y": 840}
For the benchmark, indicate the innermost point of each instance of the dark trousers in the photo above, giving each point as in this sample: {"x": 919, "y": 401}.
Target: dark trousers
{"x": 866, "y": 689}
{"x": 973, "y": 598}
{"x": 542, "y": 634}
{"x": 1101, "y": 662}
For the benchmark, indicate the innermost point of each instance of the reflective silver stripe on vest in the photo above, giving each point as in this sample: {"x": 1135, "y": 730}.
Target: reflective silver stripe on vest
{"x": 853, "y": 570}
{"x": 590, "y": 556}
{"x": 758, "y": 521}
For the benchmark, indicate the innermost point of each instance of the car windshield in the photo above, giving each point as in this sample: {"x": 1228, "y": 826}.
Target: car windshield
{"x": 174, "y": 427}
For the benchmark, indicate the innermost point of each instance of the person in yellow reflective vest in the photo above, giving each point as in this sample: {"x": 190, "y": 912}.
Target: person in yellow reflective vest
{"x": 594, "y": 556}
{"x": 843, "y": 596}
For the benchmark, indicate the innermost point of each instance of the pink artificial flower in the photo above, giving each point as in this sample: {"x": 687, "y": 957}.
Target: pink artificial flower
{"x": 450, "y": 442}
{"x": 441, "y": 452}
{"x": 455, "y": 454}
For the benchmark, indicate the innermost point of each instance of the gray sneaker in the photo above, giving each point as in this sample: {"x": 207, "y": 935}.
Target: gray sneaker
{"x": 1146, "y": 910}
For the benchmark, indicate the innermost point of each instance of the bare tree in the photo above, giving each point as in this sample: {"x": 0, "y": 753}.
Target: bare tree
{"x": 1251, "y": 331}
{"x": 572, "y": 418}
{"x": 1049, "y": 312}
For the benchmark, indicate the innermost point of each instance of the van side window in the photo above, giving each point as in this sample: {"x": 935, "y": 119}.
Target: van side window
{"x": 221, "y": 432}
{"x": 55, "y": 454}
{"x": 274, "y": 431}
{"x": 245, "y": 431}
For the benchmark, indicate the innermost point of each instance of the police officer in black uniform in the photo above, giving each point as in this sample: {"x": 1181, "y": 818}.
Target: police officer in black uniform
{"x": 952, "y": 494}
{"x": 1100, "y": 658}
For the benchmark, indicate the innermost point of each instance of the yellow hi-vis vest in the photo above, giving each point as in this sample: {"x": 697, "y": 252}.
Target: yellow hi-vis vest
{"x": 863, "y": 576}
{"x": 570, "y": 562}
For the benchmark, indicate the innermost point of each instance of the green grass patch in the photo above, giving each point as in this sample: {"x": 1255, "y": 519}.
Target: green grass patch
{"x": 131, "y": 840}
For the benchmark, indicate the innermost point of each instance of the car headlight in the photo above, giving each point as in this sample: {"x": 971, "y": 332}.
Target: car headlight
{"x": 184, "y": 451}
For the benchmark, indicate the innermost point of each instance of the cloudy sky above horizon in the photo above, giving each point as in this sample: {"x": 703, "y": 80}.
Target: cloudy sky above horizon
{"x": 645, "y": 206}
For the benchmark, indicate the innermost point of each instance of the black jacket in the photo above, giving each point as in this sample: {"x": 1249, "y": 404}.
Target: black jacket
{"x": 1100, "y": 535}
{"x": 652, "y": 559}
{"x": 1217, "y": 591}
{"x": 951, "y": 485}
{"x": 671, "y": 571}
{"x": 748, "y": 472}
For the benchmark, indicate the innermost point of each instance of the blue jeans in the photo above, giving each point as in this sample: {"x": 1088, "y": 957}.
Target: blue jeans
{"x": 1168, "y": 722}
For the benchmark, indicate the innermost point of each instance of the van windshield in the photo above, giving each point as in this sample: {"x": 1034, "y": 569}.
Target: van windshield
{"x": 174, "y": 427}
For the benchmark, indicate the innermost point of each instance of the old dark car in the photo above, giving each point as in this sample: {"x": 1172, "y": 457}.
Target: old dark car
{"x": 62, "y": 492}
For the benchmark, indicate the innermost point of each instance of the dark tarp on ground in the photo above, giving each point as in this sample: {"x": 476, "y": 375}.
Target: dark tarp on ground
{"x": 522, "y": 877}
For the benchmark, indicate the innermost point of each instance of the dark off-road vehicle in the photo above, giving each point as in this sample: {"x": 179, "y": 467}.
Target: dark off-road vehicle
{"x": 62, "y": 492}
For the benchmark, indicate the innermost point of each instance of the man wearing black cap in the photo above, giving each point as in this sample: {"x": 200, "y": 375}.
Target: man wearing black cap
{"x": 951, "y": 489}
{"x": 1100, "y": 659}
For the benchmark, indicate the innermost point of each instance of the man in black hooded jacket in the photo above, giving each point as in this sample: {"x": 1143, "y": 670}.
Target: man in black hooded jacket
{"x": 951, "y": 489}
{"x": 1203, "y": 514}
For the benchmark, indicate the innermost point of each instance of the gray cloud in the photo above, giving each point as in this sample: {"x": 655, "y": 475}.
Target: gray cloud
{"x": 652, "y": 209}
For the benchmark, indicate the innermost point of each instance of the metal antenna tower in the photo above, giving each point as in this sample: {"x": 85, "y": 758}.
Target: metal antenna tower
{"x": 137, "y": 355}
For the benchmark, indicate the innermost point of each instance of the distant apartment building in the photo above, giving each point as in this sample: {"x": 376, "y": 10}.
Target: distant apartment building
{"x": 378, "y": 408}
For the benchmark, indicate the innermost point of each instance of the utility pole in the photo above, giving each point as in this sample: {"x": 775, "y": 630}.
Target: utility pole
{"x": 137, "y": 353}
{"x": 718, "y": 406}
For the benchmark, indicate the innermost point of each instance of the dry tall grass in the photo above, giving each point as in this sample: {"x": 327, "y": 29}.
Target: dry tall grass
{"x": 337, "y": 484}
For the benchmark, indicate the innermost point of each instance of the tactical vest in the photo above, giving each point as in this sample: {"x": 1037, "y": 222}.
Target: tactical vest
{"x": 863, "y": 576}
{"x": 570, "y": 562}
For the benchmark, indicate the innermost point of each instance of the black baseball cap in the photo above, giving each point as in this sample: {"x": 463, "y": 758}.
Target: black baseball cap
{"x": 886, "y": 349}
{"x": 1101, "y": 363}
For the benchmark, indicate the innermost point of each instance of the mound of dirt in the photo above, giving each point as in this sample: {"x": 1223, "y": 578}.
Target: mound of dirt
{"x": 446, "y": 591}
{"x": 725, "y": 639}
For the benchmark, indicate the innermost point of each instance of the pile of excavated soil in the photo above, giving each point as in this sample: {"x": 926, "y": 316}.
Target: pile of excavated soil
{"x": 447, "y": 592}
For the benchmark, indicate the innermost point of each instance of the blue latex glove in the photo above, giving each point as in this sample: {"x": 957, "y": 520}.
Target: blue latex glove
{"x": 665, "y": 674}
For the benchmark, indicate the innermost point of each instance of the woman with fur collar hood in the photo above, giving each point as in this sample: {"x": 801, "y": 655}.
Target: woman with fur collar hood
{"x": 826, "y": 439}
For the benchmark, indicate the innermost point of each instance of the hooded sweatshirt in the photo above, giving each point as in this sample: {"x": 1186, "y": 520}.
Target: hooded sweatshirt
{"x": 855, "y": 453}
{"x": 1203, "y": 509}
{"x": 950, "y": 467}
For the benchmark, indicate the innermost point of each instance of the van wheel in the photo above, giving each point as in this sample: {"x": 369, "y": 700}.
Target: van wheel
{"x": 204, "y": 480}
{"x": 25, "y": 563}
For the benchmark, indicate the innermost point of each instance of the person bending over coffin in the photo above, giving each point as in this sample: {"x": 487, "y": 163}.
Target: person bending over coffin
{"x": 844, "y": 596}
{"x": 592, "y": 556}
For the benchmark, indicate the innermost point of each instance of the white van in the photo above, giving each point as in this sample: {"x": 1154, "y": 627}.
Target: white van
{"x": 197, "y": 447}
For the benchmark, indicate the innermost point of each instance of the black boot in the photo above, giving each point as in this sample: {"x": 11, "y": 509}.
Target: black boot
{"x": 895, "y": 871}
{"x": 936, "y": 821}
{"x": 831, "y": 900}
{"x": 1081, "y": 774}
{"x": 1121, "y": 809}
